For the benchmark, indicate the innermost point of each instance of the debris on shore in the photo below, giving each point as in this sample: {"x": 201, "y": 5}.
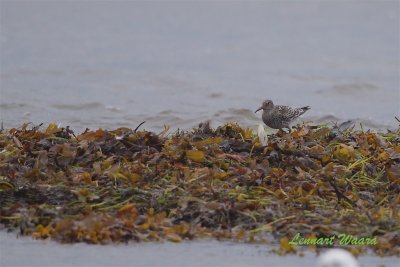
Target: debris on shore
{"x": 133, "y": 185}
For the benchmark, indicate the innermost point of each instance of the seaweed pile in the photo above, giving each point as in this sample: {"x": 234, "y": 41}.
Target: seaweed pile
{"x": 116, "y": 186}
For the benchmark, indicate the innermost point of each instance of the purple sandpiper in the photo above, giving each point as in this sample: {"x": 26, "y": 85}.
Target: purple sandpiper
{"x": 278, "y": 117}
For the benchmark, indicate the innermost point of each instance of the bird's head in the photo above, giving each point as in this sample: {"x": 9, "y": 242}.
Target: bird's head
{"x": 266, "y": 105}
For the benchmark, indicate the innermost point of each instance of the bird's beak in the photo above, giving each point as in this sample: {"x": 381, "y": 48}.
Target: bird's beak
{"x": 260, "y": 108}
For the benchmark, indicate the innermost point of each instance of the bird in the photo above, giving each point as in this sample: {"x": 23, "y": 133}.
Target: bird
{"x": 337, "y": 257}
{"x": 279, "y": 117}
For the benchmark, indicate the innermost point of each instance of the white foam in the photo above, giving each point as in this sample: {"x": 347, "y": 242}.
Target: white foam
{"x": 337, "y": 258}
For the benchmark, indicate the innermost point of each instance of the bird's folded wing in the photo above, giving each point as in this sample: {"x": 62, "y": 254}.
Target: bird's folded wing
{"x": 287, "y": 113}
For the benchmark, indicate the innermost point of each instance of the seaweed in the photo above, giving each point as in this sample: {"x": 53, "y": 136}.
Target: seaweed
{"x": 126, "y": 185}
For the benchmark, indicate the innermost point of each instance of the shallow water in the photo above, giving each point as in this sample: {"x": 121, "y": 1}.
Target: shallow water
{"x": 111, "y": 64}
{"x": 27, "y": 252}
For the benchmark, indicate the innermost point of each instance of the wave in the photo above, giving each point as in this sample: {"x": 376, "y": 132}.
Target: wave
{"x": 86, "y": 106}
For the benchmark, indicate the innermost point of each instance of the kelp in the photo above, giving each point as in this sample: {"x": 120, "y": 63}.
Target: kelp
{"x": 126, "y": 185}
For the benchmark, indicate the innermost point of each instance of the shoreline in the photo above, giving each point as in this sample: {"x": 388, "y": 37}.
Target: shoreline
{"x": 103, "y": 187}
{"x": 24, "y": 251}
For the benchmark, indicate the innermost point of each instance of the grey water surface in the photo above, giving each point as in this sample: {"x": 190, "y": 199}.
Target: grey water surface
{"x": 117, "y": 63}
{"x": 26, "y": 252}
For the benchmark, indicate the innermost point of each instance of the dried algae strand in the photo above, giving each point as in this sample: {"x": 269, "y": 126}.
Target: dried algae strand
{"x": 227, "y": 183}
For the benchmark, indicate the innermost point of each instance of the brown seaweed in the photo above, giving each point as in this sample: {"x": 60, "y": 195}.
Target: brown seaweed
{"x": 116, "y": 186}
